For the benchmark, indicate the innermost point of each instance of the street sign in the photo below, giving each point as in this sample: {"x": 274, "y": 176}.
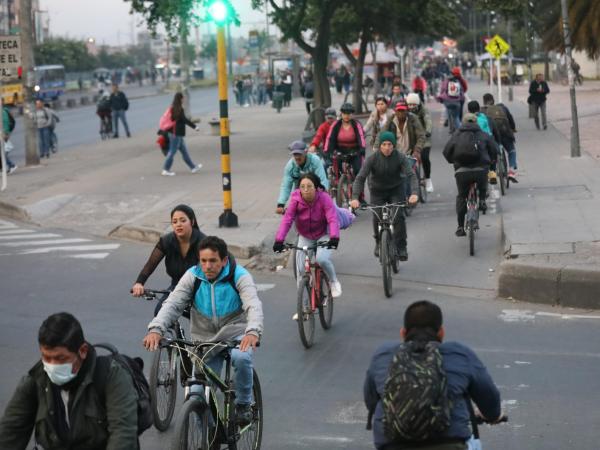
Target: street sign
{"x": 497, "y": 47}
{"x": 10, "y": 56}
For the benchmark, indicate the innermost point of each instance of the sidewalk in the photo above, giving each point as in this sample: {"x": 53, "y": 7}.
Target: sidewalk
{"x": 551, "y": 219}
{"x": 114, "y": 188}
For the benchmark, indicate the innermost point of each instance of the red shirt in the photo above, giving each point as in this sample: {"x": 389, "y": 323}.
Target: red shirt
{"x": 346, "y": 137}
{"x": 321, "y": 134}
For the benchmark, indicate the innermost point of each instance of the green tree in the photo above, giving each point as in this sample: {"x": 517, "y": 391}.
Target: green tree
{"x": 113, "y": 60}
{"x": 73, "y": 54}
{"x": 141, "y": 55}
{"x": 190, "y": 53}
{"x": 209, "y": 49}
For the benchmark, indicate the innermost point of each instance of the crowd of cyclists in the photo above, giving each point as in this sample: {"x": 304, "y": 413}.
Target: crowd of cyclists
{"x": 220, "y": 297}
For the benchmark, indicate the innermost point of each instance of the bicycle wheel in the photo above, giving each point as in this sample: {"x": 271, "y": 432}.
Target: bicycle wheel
{"x": 471, "y": 233}
{"x": 386, "y": 265}
{"x": 393, "y": 256}
{"x": 306, "y": 318}
{"x": 422, "y": 184}
{"x": 194, "y": 428}
{"x": 342, "y": 191}
{"x": 251, "y": 435}
{"x": 325, "y": 302}
{"x": 332, "y": 187}
{"x": 502, "y": 173}
{"x": 163, "y": 386}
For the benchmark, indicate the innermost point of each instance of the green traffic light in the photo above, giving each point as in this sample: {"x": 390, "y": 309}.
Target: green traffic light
{"x": 218, "y": 11}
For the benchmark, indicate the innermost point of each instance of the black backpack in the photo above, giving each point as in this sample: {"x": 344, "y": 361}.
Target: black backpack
{"x": 498, "y": 115}
{"x": 11, "y": 121}
{"x": 135, "y": 368}
{"x": 415, "y": 400}
{"x": 466, "y": 148}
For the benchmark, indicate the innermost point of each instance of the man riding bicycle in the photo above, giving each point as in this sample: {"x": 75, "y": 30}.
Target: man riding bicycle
{"x": 224, "y": 305}
{"x": 323, "y": 130}
{"x": 387, "y": 171}
{"x": 416, "y": 106}
{"x": 300, "y": 162}
{"x": 472, "y": 152}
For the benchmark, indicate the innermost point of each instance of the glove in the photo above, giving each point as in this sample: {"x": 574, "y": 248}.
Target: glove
{"x": 278, "y": 247}
{"x": 333, "y": 243}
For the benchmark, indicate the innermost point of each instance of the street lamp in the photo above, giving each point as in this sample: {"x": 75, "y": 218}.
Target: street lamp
{"x": 221, "y": 13}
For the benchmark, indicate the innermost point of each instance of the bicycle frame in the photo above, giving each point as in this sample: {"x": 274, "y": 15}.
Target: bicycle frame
{"x": 313, "y": 272}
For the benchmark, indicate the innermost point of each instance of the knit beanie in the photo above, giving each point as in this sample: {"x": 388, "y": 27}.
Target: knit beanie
{"x": 387, "y": 136}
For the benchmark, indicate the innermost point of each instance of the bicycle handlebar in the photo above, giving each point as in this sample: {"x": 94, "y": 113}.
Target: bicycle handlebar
{"x": 230, "y": 344}
{"x": 387, "y": 205}
{"x": 151, "y": 294}
{"x": 290, "y": 246}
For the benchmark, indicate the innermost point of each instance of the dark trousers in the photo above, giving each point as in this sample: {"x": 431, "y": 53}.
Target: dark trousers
{"x": 463, "y": 182}
{"x": 426, "y": 161}
{"x": 392, "y": 196}
{"x": 449, "y": 446}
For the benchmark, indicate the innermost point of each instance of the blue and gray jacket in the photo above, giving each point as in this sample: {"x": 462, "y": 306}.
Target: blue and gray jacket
{"x": 292, "y": 172}
{"x": 219, "y": 312}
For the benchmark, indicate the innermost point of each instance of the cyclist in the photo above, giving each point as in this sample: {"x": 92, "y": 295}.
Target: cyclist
{"x": 378, "y": 120}
{"x": 315, "y": 216}
{"x": 416, "y": 106}
{"x": 419, "y": 86}
{"x": 505, "y": 123}
{"x": 398, "y": 93}
{"x": 465, "y": 375}
{"x": 323, "y": 130}
{"x": 452, "y": 95}
{"x": 388, "y": 171}
{"x": 58, "y": 397}
{"x": 179, "y": 248}
{"x": 224, "y": 305}
{"x": 104, "y": 111}
{"x": 300, "y": 162}
{"x": 488, "y": 126}
{"x": 471, "y": 151}
{"x": 347, "y": 136}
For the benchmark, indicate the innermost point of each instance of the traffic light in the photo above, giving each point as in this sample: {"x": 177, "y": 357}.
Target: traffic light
{"x": 221, "y": 12}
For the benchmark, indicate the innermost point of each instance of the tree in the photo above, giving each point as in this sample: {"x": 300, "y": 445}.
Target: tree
{"x": 73, "y": 54}
{"x": 141, "y": 55}
{"x": 114, "y": 60}
{"x": 189, "y": 53}
{"x": 209, "y": 49}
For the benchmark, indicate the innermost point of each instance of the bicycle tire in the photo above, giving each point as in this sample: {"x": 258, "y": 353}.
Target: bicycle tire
{"x": 250, "y": 436}
{"x": 196, "y": 410}
{"x": 341, "y": 191}
{"x": 385, "y": 262}
{"x": 471, "y": 233}
{"x": 393, "y": 256}
{"x": 502, "y": 174}
{"x": 163, "y": 388}
{"x": 294, "y": 260}
{"x": 422, "y": 185}
{"x": 306, "y": 317}
{"x": 332, "y": 191}
{"x": 325, "y": 310}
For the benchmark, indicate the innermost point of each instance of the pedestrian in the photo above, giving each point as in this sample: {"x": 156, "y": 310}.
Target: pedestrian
{"x": 59, "y": 398}
{"x": 472, "y": 153}
{"x": 8, "y": 125}
{"x": 54, "y": 119}
{"x": 346, "y": 80}
{"x": 119, "y": 104}
{"x": 43, "y": 121}
{"x": 505, "y": 123}
{"x": 451, "y": 376}
{"x": 538, "y": 90}
{"x": 308, "y": 92}
{"x": 287, "y": 81}
{"x": 177, "y": 137}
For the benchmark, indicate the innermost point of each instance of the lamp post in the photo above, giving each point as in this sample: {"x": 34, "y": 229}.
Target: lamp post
{"x": 575, "y": 148}
{"x": 222, "y": 13}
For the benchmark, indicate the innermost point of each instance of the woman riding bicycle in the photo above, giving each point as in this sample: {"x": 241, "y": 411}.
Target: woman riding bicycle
{"x": 315, "y": 216}
{"x": 179, "y": 248}
{"x": 348, "y": 137}
{"x": 378, "y": 120}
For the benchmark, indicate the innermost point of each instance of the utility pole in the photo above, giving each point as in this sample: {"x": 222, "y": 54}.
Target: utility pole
{"x": 510, "y": 62}
{"x": 575, "y": 148}
{"x": 527, "y": 38}
{"x": 32, "y": 157}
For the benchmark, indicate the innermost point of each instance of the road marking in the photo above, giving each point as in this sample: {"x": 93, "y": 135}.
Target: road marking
{"x": 70, "y": 248}
{"x": 16, "y": 237}
{"x": 5, "y": 224}
{"x": 525, "y": 315}
{"x": 88, "y": 256}
{"x": 260, "y": 287}
{"x": 50, "y": 241}
{"x": 16, "y": 231}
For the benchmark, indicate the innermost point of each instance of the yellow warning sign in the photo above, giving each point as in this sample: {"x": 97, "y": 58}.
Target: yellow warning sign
{"x": 497, "y": 47}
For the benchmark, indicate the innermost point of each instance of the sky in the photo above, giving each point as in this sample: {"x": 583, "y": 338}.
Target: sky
{"x": 109, "y": 21}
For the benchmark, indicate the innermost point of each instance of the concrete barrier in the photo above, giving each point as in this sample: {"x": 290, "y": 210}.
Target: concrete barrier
{"x": 71, "y": 103}
{"x": 57, "y": 104}
{"x": 528, "y": 282}
{"x": 579, "y": 287}
{"x": 85, "y": 101}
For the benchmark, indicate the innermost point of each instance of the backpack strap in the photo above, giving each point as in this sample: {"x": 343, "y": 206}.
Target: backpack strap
{"x": 100, "y": 377}
{"x": 230, "y": 278}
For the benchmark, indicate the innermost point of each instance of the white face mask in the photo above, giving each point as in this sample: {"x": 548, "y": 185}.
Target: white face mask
{"x": 59, "y": 374}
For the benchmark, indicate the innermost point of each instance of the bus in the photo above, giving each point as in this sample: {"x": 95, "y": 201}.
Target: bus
{"x": 49, "y": 85}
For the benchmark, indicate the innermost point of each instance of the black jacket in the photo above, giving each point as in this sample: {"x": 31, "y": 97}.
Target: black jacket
{"x": 536, "y": 96}
{"x": 385, "y": 174}
{"x": 118, "y": 101}
{"x": 487, "y": 149}
{"x": 179, "y": 128}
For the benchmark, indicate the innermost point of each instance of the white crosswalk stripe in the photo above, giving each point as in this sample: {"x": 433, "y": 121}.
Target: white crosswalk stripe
{"x": 24, "y": 241}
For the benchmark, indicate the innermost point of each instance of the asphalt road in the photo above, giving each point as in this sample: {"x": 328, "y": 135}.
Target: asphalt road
{"x": 80, "y": 126}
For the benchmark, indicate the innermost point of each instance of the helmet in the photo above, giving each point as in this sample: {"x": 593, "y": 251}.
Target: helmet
{"x": 347, "y": 108}
{"x": 413, "y": 99}
{"x": 330, "y": 112}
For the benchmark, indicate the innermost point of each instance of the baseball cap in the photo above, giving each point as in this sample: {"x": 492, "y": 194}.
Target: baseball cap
{"x": 297, "y": 147}
{"x": 401, "y": 106}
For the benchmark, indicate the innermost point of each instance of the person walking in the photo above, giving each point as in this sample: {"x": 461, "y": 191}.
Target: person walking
{"x": 54, "y": 119}
{"x": 177, "y": 137}
{"x": 8, "y": 125}
{"x": 43, "y": 122}
{"x": 119, "y": 104}
{"x": 538, "y": 90}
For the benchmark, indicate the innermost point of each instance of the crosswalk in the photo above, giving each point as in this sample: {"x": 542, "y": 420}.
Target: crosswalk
{"x": 17, "y": 240}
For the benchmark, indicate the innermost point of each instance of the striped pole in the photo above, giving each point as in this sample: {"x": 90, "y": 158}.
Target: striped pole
{"x": 228, "y": 219}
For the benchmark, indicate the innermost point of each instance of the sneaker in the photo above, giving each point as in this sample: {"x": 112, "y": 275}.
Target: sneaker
{"x": 336, "y": 289}
{"x": 12, "y": 169}
{"x": 197, "y": 168}
{"x": 295, "y": 317}
{"x": 166, "y": 173}
{"x": 402, "y": 254}
{"x": 512, "y": 174}
{"x": 460, "y": 232}
{"x": 492, "y": 177}
{"x": 428, "y": 185}
{"x": 243, "y": 414}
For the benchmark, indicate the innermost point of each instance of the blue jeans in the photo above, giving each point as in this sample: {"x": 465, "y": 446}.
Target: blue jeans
{"x": 512, "y": 155}
{"x": 177, "y": 143}
{"x": 119, "y": 114}
{"x": 323, "y": 257}
{"x": 44, "y": 141}
{"x": 242, "y": 363}
{"x": 453, "y": 110}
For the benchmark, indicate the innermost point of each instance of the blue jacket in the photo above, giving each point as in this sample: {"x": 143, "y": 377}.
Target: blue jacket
{"x": 467, "y": 377}
{"x": 292, "y": 172}
{"x": 484, "y": 123}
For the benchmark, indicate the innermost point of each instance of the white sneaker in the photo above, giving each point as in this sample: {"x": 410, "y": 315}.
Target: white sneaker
{"x": 336, "y": 289}
{"x": 197, "y": 168}
{"x": 12, "y": 169}
{"x": 166, "y": 173}
{"x": 295, "y": 317}
{"x": 428, "y": 185}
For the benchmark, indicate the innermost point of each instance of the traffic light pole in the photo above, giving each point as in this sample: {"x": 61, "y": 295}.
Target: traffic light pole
{"x": 228, "y": 219}
{"x": 575, "y": 147}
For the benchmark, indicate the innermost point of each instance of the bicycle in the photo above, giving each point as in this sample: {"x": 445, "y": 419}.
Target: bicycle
{"x": 502, "y": 170}
{"x": 207, "y": 419}
{"x": 474, "y": 442}
{"x": 314, "y": 293}
{"x": 388, "y": 258}
{"x": 340, "y": 182}
{"x": 163, "y": 373}
{"x": 472, "y": 216}
{"x": 105, "y": 126}
{"x": 417, "y": 168}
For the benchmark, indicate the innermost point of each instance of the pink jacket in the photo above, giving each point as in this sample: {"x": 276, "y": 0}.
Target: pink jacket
{"x": 312, "y": 219}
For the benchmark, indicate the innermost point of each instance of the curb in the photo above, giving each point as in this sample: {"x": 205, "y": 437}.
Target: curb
{"x": 15, "y": 212}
